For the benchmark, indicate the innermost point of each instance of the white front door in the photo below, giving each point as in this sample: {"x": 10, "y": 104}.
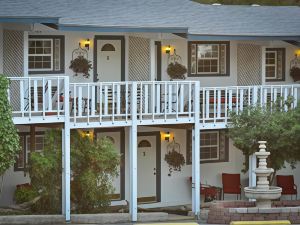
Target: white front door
{"x": 109, "y": 60}
{"x": 146, "y": 161}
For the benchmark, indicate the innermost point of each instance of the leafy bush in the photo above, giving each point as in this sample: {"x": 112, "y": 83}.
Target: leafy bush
{"x": 280, "y": 128}
{"x": 93, "y": 164}
{"x": 25, "y": 193}
{"x": 9, "y": 139}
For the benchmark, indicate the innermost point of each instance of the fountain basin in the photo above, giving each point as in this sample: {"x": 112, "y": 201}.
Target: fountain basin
{"x": 263, "y": 196}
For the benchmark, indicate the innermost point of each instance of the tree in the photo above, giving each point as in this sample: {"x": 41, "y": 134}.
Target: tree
{"x": 9, "y": 138}
{"x": 93, "y": 164}
{"x": 280, "y": 128}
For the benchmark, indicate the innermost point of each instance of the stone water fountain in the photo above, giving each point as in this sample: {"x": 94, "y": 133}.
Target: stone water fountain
{"x": 263, "y": 193}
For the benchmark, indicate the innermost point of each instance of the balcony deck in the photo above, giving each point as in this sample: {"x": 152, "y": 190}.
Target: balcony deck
{"x": 108, "y": 104}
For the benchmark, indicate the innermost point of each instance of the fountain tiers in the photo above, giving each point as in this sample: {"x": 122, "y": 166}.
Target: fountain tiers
{"x": 263, "y": 193}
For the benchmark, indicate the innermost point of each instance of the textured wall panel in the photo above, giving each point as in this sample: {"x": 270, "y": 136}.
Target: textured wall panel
{"x": 249, "y": 64}
{"x": 13, "y": 62}
{"x": 139, "y": 58}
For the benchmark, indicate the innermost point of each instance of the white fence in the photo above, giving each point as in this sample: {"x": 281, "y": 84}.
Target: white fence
{"x": 155, "y": 101}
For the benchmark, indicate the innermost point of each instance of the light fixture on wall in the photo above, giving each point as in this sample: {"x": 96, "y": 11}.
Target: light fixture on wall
{"x": 168, "y": 49}
{"x": 87, "y": 43}
{"x": 167, "y": 136}
{"x": 297, "y": 53}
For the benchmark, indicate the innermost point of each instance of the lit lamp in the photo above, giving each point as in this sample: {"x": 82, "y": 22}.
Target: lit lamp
{"x": 297, "y": 53}
{"x": 168, "y": 49}
{"x": 87, "y": 43}
{"x": 87, "y": 133}
{"x": 167, "y": 136}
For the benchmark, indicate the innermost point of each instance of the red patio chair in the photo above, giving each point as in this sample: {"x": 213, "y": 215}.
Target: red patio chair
{"x": 231, "y": 184}
{"x": 286, "y": 182}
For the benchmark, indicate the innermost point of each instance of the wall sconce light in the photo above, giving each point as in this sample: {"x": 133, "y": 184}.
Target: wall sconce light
{"x": 87, "y": 43}
{"x": 168, "y": 49}
{"x": 167, "y": 136}
{"x": 87, "y": 133}
{"x": 297, "y": 53}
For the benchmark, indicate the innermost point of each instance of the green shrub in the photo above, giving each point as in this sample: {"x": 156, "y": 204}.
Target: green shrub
{"x": 93, "y": 164}
{"x": 25, "y": 193}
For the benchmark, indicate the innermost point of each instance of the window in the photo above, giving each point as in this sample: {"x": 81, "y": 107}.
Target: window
{"x": 275, "y": 64}
{"x": 46, "y": 54}
{"x": 213, "y": 146}
{"x": 209, "y": 58}
{"x": 22, "y": 158}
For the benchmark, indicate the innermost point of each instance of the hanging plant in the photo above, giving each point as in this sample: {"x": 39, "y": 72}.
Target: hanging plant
{"x": 175, "y": 160}
{"x": 81, "y": 65}
{"x": 176, "y": 70}
{"x": 295, "y": 73}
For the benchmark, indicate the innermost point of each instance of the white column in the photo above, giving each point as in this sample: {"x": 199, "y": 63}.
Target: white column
{"x": 66, "y": 158}
{"x": 25, "y": 52}
{"x": 251, "y": 171}
{"x": 133, "y": 154}
{"x": 196, "y": 153}
{"x": 152, "y": 60}
{"x": 263, "y": 64}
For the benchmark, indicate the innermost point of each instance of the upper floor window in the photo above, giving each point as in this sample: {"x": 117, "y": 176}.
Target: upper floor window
{"x": 213, "y": 146}
{"x": 45, "y": 54}
{"x": 275, "y": 64}
{"x": 209, "y": 58}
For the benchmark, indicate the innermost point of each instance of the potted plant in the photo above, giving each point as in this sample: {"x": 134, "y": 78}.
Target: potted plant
{"x": 176, "y": 70}
{"x": 295, "y": 73}
{"x": 81, "y": 65}
{"x": 175, "y": 160}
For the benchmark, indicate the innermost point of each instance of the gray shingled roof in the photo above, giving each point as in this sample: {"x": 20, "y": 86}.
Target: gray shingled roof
{"x": 197, "y": 18}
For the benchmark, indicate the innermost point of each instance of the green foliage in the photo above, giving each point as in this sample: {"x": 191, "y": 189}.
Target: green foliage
{"x": 278, "y": 127}
{"x": 93, "y": 164}
{"x": 9, "y": 139}
{"x": 250, "y": 2}
{"x": 25, "y": 193}
{"x": 45, "y": 174}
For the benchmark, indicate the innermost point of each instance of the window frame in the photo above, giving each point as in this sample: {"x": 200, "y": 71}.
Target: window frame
{"x": 189, "y": 150}
{"x": 26, "y": 151}
{"x": 274, "y": 79}
{"x": 61, "y": 54}
{"x": 209, "y": 74}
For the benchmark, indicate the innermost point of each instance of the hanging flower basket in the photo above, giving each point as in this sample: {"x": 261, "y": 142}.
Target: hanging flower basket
{"x": 295, "y": 73}
{"x": 176, "y": 70}
{"x": 81, "y": 65}
{"x": 175, "y": 160}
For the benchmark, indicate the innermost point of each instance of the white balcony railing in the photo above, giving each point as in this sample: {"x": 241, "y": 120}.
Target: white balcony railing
{"x": 44, "y": 99}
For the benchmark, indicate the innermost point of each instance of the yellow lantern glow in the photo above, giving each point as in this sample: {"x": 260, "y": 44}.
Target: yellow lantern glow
{"x": 87, "y": 43}
{"x": 297, "y": 52}
{"x": 168, "y": 49}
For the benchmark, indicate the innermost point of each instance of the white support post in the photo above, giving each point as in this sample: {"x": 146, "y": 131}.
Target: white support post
{"x": 252, "y": 175}
{"x": 66, "y": 159}
{"x": 25, "y": 52}
{"x": 152, "y": 60}
{"x": 196, "y": 154}
{"x": 133, "y": 154}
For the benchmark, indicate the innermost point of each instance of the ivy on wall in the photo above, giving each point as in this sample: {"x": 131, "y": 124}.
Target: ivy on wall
{"x": 9, "y": 138}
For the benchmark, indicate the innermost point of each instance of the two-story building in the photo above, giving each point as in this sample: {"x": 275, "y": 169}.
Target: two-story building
{"x": 235, "y": 56}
